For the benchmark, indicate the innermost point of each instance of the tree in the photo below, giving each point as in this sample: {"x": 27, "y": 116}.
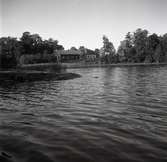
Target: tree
{"x": 26, "y": 43}
{"x": 73, "y": 48}
{"x": 50, "y": 45}
{"x": 108, "y": 46}
{"x": 152, "y": 44}
{"x": 10, "y": 52}
{"x": 126, "y": 51}
{"x": 108, "y": 50}
{"x": 140, "y": 44}
{"x": 160, "y": 54}
{"x": 33, "y": 44}
{"x": 97, "y": 52}
{"x": 129, "y": 39}
{"x": 82, "y": 49}
{"x": 122, "y": 51}
{"x": 163, "y": 42}
{"x": 83, "y": 52}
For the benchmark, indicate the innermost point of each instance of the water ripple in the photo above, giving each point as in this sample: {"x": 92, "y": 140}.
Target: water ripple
{"x": 107, "y": 115}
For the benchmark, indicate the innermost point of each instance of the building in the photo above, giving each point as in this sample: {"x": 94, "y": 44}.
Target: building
{"x": 90, "y": 57}
{"x": 77, "y": 56}
{"x": 69, "y": 55}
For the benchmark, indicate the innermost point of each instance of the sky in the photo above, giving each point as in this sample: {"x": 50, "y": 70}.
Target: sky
{"x": 82, "y": 22}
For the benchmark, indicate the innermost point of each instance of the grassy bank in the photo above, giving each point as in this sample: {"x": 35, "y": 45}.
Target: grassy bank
{"x": 33, "y": 72}
{"x": 24, "y": 75}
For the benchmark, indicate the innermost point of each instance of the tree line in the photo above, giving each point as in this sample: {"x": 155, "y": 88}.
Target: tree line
{"x": 140, "y": 46}
{"x": 137, "y": 47}
{"x": 29, "y": 44}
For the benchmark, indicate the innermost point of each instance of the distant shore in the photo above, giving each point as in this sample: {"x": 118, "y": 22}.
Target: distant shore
{"x": 79, "y": 65}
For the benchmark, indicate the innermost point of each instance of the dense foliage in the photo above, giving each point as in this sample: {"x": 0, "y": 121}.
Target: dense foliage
{"x": 141, "y": 46}
{"x": 108, "y": 52}
{"x": 28, "y": 44}
{"x": 137, "y": 47}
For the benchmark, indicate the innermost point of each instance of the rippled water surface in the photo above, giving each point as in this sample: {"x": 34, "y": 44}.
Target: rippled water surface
{"x": 107, "y": 115}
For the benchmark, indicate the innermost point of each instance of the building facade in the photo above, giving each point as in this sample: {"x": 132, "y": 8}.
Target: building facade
{"x": 68, "y": 56}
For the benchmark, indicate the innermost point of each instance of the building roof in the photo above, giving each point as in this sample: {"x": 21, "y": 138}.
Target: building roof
{"x": 69, "y": 52}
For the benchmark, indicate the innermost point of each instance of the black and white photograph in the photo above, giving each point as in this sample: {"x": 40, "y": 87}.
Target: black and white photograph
{"x": 83, "y": 80}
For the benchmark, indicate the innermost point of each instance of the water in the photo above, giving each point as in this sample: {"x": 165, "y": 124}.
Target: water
{"x": 107, "y": 115}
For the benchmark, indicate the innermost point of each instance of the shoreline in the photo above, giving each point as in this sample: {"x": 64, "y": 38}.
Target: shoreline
{"x": 79, "y": 65}
{"x": 34, "y": 75}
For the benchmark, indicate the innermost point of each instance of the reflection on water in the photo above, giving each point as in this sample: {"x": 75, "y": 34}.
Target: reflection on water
{"x": 109, "y": 114}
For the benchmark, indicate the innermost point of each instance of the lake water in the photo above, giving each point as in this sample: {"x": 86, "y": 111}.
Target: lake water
{"x": 116, "y": 114}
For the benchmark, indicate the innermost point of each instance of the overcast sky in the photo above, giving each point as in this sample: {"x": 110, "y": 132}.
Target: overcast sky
{"x": 83, "y": 22}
